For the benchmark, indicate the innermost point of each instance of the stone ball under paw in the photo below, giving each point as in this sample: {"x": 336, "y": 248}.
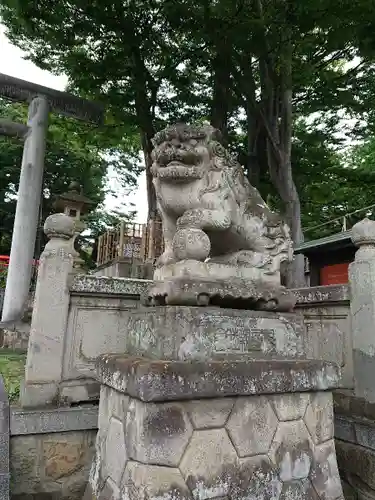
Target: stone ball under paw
{"x": 191, "y": 244}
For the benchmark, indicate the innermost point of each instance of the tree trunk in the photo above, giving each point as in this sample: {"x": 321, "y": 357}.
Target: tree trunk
{"x": 276, "y": 112}
{"x": 221, "y": 92}
{"x": 151, "y": 196}
{"x": 252, "y": 164}
{"x": 296, "y": 275}
{"x": 280, "y": 168}
{"x": 281, "y": 176}
{"x": 256, "y": 143}
{"x": 145, "y": 98}
{"x": 296, "y": 271}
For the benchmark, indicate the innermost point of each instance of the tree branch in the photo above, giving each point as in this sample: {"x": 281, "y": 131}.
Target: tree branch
{"x": 12, "y": 129}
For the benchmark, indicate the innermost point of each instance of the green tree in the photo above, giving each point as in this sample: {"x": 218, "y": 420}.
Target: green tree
{"x": 74, "y": 152}
{"x": 253, "y": 67}
{"x": 332, "y": 183}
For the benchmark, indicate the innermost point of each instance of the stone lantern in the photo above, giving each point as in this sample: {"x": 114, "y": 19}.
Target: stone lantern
{"x": 74, "y": 204}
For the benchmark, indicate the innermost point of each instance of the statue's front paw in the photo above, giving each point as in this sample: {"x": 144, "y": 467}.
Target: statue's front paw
{"x": 190, "y": 219}
{"x": 166, "y": 258}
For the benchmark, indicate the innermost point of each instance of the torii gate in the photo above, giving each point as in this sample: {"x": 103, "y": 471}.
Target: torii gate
{"x": 41, "y": 100}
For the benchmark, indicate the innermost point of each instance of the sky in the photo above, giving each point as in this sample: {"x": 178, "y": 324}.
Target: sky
{"x": 13, "y": 63}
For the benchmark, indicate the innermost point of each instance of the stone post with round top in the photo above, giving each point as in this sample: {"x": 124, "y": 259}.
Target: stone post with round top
{"x": 50, "y": 313}
{"x": 362, "y": 306}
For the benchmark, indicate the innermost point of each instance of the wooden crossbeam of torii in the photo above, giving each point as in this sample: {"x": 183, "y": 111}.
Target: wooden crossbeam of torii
{"x": 60, "y": 102}
{"x": 41, "y": 101}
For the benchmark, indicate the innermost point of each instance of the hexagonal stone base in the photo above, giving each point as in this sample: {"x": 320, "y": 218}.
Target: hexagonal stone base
{"x": 265, "y": 446}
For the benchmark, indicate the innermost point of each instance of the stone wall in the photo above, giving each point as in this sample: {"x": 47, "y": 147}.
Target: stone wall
{"x": 125, "y": 268}
{"x": 355, "y": 445}
{"x": 4, "y": 442}
{"x": 15, "y": 334}
{"x": 51, "y": 452}
{"x": 93, "y": 322}
{"x": 326, "y": 312}
{"x": 97, "y": 324}
{"x": 79, "y": 317}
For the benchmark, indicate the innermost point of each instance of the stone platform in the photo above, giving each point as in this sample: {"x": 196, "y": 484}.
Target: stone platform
{"x": 215, "y": 430}
{"x": 187, "y": 333}
{"x": 234, "y": 292}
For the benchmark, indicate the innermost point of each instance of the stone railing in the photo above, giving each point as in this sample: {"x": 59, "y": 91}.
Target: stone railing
{"x": 326, "y": 312}
{"x": 79, "y": 317}
{"x": 341, "y": 328}
{"x": 75, "y": 319}
{"x": 355, "y": 410}
{"x": 95, "y": 324}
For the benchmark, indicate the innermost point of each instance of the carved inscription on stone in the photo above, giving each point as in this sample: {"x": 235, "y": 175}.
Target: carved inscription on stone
{"x": 244, "y": 337}
{"x": 200, "y": 338}
{"x": 245, "y": 341}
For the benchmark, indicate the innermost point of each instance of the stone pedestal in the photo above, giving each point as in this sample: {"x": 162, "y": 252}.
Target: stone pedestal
{"x": 214, "y": 398}
{"x": 205, "y": 333}
{"x": 362, "y": 306}
{"x": 50, "y": 314}
{"x": 215, "y": 430}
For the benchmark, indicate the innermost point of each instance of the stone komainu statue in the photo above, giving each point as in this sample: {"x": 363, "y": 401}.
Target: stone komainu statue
{"x": 216, "y": 226}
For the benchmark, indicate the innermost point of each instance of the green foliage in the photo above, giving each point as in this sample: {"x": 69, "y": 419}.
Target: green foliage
{"x": 255, "y": 68}
{"x": 3, "y": 276}
{"x": 74, "y": 152}
{"x": 332, "y": 184}
{"x": 12, "y": 369}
